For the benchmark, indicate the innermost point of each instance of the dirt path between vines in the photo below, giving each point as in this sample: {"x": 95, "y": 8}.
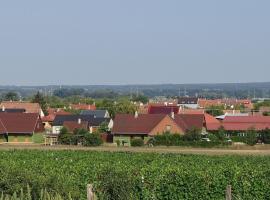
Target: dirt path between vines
{"x": 257, "y": 150}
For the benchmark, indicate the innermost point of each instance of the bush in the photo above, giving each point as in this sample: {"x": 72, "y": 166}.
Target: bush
{"x": 194, "y": 134}
{"x": 251, "y": 138}
{"x": 92, "y": 139}
{"x": 137, "y": 142}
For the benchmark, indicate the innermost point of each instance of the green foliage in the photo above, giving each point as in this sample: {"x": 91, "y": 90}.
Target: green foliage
{"x": 221, "y": 134}
{"x": 140, "y": 98}
{"x": 103, "y": 128}
{"x": 215, "y": 110}
{"x": 265, "y": 103}
{"x": 92, "y": 139}
{"x": 265, "y": 136}
{"x": 194, "y": 134}
{"x": 11, "y": 96}
{"x": 137, "y": 142}
{"x": 116, "y": 184}
{"x": 38, "y": 98}
{"x": 251, "y": 137}
{"x": 44, "y": 195}
{"x": 65, "y": 137}
{"x": 121, "y": 106}
{"x": 134, "y": 175}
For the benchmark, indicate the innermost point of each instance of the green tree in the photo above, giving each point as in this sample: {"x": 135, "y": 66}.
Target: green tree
{"x": 221, "y": 134}
{"x": 39, "y": 98}
{"x": 251, "y": 137}
{"x": 11, "y": 96}
{"x": 140, "y": 98}
{"x": 103, "y": 128}
{"x": 265, "y": 136}
{"x": 215, "y": 110}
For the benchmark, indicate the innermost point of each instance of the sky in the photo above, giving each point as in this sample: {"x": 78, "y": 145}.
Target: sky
{"x": 134, "y": 42}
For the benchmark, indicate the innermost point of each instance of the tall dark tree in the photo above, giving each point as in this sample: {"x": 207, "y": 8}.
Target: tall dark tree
{"x": 39, "y": 98}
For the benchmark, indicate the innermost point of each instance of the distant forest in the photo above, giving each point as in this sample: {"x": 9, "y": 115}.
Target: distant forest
{"x": 211, "y": 91}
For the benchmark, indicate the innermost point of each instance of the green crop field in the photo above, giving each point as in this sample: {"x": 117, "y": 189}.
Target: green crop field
{"x": 134, "y": 175}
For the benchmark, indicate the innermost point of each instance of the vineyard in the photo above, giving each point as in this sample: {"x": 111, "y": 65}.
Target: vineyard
{"x": 134, "y": 175}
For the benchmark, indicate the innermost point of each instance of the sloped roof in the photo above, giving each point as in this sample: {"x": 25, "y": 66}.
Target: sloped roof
{"x": 72, "y": 125}
{"x": 143, "y": 124}
{"x": 93, "y": 121}
{"x": 243, "y": 123}
{"x": 2, "y": 128}
{"x": 27, "y": 106}
{"x": 52, "y": 113}
{"x": 97, "y": 113}
{"x": 163, "y": 109}
{"x": 190, "y": 121}
{"x": 211, "y": 122}
{"x": 19, "y": 122}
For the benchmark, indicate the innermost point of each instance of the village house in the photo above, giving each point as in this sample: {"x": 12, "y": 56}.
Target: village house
{"x": 128, "y": 126}
{"x": 21, "y": 106}
{"x": 238, "y": 125}
{"x": 20, "y": 127}
{"x": 90, "y": 122}
{"x": 52, "y": 112}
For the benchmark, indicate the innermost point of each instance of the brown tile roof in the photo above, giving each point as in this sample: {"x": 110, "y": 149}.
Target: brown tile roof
{"x": 29, "y": 107}
{"x": 72, "y": 125}
{"x": 20, "y": 122}
{"x": 163, "y": 109}
{"x": 188, "y": 121}
{"x": 2, "y": 128}
{"x": 143, "y": 124}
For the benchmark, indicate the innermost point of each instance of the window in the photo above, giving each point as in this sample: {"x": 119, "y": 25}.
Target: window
{"x": 168, "y": 128}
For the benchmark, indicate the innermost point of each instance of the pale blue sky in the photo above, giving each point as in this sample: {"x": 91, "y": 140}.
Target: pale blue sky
{"x": 129, "y": 42}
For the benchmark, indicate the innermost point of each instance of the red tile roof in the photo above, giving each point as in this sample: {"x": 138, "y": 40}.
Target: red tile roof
{"x": 243, "y": 123}
{"x": 72, "y": 125}
{"x": 163, "y": 109}
{"x": 52, "y": 113}
{"x": 211, "y": 122}
{"x": 26, "y": 123}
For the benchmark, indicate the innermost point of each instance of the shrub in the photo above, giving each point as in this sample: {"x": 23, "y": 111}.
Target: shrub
{"x": 194, "y": 134}
{"x": 251, "y": 138}
{"x": 92, "y": 139}
{"x": 137, "y": 142}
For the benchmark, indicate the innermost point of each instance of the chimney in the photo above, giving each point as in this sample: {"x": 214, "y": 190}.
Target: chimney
{"x": 172, "y": 115}
{"x": 79, "y": 121}
{"x": 136, "y": 114}
{"x": 3, "y": 108}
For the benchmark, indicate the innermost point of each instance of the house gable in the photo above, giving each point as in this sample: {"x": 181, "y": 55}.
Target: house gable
{"x": 162, "y": 126}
